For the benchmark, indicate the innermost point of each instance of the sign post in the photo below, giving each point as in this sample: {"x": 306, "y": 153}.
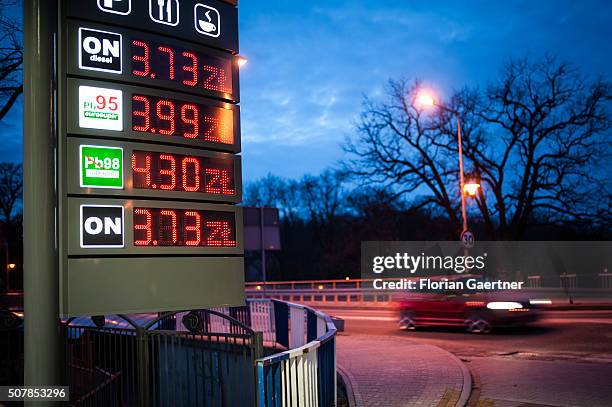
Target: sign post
{"x": 40, "y": 279}
{"x": 131, "y": 165}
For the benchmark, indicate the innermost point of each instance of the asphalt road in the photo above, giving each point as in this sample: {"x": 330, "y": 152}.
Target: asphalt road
{"x": 565, "y": 359}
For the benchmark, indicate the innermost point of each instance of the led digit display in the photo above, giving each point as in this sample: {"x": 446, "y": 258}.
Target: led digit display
{"x": 175, "y": 118}
{"x": 187, "y": 173}
{"x": 183, "y": 227}
{"x": 191, "y": 69}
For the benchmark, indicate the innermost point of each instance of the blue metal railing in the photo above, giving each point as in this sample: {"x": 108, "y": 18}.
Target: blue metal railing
{"x": 200, "y": 357}
{"x": 304, "y": 375}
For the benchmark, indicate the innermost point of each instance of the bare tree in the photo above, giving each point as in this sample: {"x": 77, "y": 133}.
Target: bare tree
{"x": 323, "y": 196}
{"x": 11, "y": 58}
{"x": 548, "y": 161}
{"x": 275, "y": 191}
{"x": 537, "y": 140}
{"x": 11, "y": 189}
{"x": 401, "y": 149}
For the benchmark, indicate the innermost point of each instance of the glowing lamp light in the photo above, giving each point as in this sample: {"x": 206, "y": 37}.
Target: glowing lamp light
{"x": 471, "y": 188}
{"x": 12, "y": 266}
{"x": 320, "y": 287}
{"x": 347, "y": 278}
{"x": 242, "y": 61}
{"x": 258, "y": 287}
{"x": 425, "y": 99}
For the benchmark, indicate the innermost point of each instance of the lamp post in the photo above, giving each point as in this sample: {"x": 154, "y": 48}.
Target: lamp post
{"x": 426, "y": 99}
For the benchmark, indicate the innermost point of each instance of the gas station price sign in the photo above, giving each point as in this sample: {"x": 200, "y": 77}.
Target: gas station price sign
{"x": 149, "y": 175}
{"x": 152, "y": 60}
{"x": 176, "y": 118}
{"x": 144, "y": 114}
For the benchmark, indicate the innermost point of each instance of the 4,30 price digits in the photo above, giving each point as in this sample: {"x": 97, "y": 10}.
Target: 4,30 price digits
{"x": 185, "y": 67}
{"x": 176, "y": 172}
{"x": 183, "y": 227}
{"x": 170, "y": 117}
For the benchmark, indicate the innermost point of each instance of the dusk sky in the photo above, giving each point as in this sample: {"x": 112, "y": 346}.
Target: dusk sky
{"x": 311, "y": 62}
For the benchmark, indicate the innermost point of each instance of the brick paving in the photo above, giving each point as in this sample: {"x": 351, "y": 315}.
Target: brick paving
{"x": 506, "y": 382}
{"x": 396, "y": 372}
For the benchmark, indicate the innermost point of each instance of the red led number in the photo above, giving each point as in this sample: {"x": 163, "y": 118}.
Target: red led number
{"x": 175, "y": 172}
{"x": 192, "y": 68}
{"x": 147, "y": 227}
{"x": 142, "y": 59}
{"x": 193, "y": 229}
{"x": 171, "y": 171}
{"x": 165, "y": 114}
{"x": 189, "y": 116}
{"x": 163, "y": 62}
{"x": 176, "y": 227}
{"x": 193, "y": 164}
{"x": 174, "y": 118}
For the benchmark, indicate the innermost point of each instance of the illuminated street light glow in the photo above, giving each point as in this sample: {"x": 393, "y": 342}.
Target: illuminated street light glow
{"x": 242, "y": 61}
{"x": 258, "y": 287}
{"x": 471, "y": 188}
{"x": 320, "y": 286}
{"x": 12, "y": 266}
{"x": 425, "y": 99}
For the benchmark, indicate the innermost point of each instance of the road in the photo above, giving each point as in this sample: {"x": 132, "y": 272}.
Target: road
{"x": 565, "y": 359}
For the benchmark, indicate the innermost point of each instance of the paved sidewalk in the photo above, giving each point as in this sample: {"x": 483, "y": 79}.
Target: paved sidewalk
{"x": 396, "y": 372}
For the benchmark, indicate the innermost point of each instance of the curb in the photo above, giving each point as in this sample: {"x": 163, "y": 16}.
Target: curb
{"x": 347, "y": 378}
{"x": 466, "y": 389}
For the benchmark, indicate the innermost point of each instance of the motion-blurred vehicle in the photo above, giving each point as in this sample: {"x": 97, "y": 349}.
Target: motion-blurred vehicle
{"x": 477, "y": 312}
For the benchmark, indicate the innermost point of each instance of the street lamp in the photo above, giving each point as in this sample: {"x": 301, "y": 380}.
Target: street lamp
{"x": 241, "y": 61}
{"x": 426, "y": 99}
{"x": 471, "y": 188}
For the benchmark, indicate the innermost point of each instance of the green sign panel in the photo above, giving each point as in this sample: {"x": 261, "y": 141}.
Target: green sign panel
{"x": 101, "y": 167}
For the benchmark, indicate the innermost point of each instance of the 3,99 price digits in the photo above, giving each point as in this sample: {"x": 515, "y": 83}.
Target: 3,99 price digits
{"x": 183, "y": 227}
{"x": 169, "y": 117}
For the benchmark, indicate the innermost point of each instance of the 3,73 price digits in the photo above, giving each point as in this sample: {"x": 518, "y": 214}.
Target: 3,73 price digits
{"x": 185, "y": 67}
{"x": 183, "y": 227}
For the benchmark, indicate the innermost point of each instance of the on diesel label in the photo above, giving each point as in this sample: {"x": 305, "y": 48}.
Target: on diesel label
{"x": 99, "y": 50}
{"x": 101, "y": 226}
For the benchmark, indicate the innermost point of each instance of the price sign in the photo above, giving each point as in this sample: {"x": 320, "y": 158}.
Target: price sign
{"x": 148, "y": 166}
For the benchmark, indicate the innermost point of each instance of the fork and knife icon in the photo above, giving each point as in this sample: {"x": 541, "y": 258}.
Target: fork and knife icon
{"x": 167, "y": 4}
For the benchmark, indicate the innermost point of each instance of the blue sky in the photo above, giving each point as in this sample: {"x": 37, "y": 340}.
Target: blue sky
{"x": 311, "y": 62}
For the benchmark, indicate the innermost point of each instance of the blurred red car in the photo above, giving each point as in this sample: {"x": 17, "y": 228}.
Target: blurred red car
{"x": 477, "y": 312}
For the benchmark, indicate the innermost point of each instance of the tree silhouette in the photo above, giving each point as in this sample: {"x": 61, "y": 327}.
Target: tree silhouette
{"x": 11, "y": 59}
{"x": 537, "y": 140}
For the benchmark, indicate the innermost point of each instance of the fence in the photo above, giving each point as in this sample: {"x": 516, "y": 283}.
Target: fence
{"x": 305, "y": 375}
{"x": 360, "y": 293}
{"x": 197, "y": 358}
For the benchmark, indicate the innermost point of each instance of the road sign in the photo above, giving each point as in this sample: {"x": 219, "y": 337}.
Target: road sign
{"x": 467, "y": 239}
{"x": 148, "y": 171}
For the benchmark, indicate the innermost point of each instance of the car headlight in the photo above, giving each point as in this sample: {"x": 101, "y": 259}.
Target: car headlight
{"x": 504, "y": 305}
{"x": 540, "y": 302}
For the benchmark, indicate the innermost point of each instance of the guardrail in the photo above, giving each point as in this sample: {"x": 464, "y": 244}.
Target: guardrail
{"x": 269, "y": 353}
{"x": 304, "y": 375}
{"x": 359, "y": 292}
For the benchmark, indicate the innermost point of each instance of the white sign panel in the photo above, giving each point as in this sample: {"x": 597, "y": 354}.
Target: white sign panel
{"x": 100, "y": 108}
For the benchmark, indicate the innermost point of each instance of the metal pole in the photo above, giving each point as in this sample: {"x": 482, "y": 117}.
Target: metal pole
{"x": 461, "y": 180}
{"x": 6, "y": 254}
{"x": 263, "y": 248}
{"x": 41, "y": 280}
